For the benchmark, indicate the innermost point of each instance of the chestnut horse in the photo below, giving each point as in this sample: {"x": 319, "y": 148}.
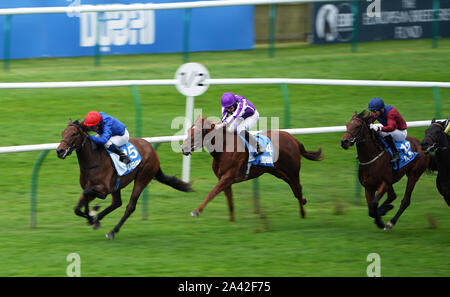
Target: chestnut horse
{"x": 98, "y": 177}
{"x": 375, "y": 170}
{"x": 230, "y": 161}
{"x": 436, "y": 140}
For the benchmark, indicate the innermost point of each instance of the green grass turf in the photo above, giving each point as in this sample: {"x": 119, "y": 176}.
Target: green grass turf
{"x": 334, "y": 239}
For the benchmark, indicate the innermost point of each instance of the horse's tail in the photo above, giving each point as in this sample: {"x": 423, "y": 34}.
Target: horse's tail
{"x": 173, "y": 181}
{"x": 310, "y": 155}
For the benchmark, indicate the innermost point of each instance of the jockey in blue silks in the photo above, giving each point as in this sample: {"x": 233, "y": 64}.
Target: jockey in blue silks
{"x": 111, "y": 133}
{"x": 239, "y": 115}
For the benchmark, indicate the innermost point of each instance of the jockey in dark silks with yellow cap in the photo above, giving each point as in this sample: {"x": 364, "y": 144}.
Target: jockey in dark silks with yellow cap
{"x": 394, "y": 126}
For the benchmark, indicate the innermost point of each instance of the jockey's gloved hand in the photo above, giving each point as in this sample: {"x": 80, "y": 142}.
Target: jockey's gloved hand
{"x": 374, "y": 127}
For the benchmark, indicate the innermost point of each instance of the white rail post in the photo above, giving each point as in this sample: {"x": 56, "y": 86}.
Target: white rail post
{"x": 188, "y": 120}
{"x": 191, "y": 81}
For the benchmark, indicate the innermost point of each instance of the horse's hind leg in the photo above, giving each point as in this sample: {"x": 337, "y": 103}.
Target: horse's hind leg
{"x": 405, "y": 202}
{"x": 116, "y": 203}
{"x": 137, "y": 190}
{"x": 296, "y": 187}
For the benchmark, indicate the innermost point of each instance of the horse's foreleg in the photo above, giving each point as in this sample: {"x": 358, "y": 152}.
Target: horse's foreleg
{"x": 84, "y": 200}
{"x": 405, "y": 202}
{"x": 116, "y": 203}
{"x": 374, "y": 204}
{"x": 223, "y": 183}
{"x": 229, "y": 195}
{"x": 387, "y": 206}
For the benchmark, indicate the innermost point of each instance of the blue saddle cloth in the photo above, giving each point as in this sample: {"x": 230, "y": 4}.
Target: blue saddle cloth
{"x": 264, "y": 159}
{"x": 405, "y": 152}
{"x": 132, "y": 153}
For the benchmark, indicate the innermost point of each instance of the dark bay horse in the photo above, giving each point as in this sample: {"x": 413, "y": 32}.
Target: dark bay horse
{"x": 375, "y": 171}
{"x": 437, "y": 141}
{"x": 98, "y": 176}
{"x": 230, "y": 161}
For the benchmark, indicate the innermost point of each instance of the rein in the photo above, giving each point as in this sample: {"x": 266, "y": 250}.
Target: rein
{"x": 373, "y": 160}
{"x": 355, "y": 140}
{"x": 72, "y": 146}
{"x": 436, "y": 143}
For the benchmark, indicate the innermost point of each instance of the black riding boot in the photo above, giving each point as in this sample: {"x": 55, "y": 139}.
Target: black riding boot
{"x": 253, "y": 142}
{"x": 122, "y": 157}
{"x": 391, "y": 144}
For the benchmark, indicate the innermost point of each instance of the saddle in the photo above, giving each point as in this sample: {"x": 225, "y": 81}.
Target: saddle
{"x": 404, "y": 150}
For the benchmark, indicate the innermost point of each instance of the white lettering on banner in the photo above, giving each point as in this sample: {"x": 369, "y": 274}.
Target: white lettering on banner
{"x": 408, "y": 32}
{"x": 407, "y": 16}
{"x": 117, "y": 28}
{"x": 409, "y": 4}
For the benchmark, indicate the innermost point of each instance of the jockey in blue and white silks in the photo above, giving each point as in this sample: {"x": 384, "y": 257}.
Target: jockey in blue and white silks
{"x": 111, "y": 133}
{"x": 239, "y": 115}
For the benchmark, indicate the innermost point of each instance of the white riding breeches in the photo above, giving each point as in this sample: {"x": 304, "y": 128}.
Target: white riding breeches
{"x": 240, "y": 124}
{"x": 397, "y": 135}
{"x": 118, "y": 140}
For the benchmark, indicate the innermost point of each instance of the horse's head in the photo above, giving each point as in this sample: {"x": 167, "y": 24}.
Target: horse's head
{"x": 73, "y": 137}
{"x": 434, "y": 136}
{"x": 357, "y": 129}
{"x": 196, "y": 134}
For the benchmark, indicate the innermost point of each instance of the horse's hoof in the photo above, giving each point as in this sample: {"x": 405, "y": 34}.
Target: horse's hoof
{"x": 388, "y": 226}
{"x": 110, "y": 235}
{"x": 194, "y": 213}
{"x": 96, "y": 225}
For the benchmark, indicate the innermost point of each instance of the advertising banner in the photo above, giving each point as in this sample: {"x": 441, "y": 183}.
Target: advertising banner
{"x": 333, "y": 22}
{"x": 124, "y": 32}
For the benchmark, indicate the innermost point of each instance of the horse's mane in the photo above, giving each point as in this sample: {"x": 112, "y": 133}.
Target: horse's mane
{"x": 363, "y": 115}
{"x": 79, "y": 125}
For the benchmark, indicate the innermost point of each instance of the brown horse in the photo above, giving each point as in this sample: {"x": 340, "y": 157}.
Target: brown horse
{"x": 437, "y": 141}
{"x": 375, "y": 170}
{"x": 230, "y": 160}
{"x": 98, "y": 177}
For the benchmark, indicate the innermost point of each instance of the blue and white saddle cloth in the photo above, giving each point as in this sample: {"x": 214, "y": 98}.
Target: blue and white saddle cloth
{"x": 264, "y": 159}
{"x": 405, "y": 152}
{"x": 132, "y": 153}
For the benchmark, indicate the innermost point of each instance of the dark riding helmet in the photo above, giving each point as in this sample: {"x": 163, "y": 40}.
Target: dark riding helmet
{"x": 376, "y": 104}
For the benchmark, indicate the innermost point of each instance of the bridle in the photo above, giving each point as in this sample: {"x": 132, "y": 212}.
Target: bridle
{"x": 73, "y": 146}
{"x": 355, "y": 135}
{"x": 355, "y": 140}
{"x": 436, "y": 143}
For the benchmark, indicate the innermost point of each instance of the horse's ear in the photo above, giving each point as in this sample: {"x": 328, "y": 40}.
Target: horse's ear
{"x": 69, "y": 122}
{"x": 433, "y": 120}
